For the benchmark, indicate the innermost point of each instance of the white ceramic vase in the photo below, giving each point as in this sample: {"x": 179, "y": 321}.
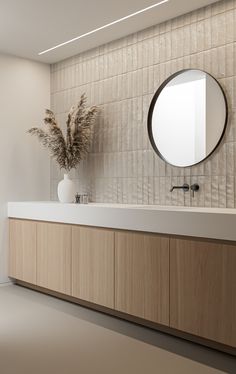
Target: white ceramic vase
{"x": 66, "y": 190}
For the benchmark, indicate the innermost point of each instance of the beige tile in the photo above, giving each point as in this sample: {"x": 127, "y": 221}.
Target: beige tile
{"x": 215, "y": 191}
{"x": 230, "y": 191}
{"x": 218, "y": 35}
{"x": 222, "y": 192}
{"x": 230, "y": 157}
{"x": 207, "y": 190}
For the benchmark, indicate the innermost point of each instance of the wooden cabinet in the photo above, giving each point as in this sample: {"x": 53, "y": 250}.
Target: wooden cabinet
{"x": 203, "y": 289}
{"x": 93, "y": 265}
{"x": 22, "y": 254}
{"x": 186, "y": 284}
{"x": 54, "y": 256}
{"x": 142, "y": 275}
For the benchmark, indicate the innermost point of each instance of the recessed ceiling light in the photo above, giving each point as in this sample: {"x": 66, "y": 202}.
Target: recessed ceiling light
{"x": 104, "y": 27}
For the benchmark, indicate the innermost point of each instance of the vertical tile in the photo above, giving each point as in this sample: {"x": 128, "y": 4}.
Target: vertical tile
{"x": 156, "y": 197}
{"x": 230, "y": 194}
{"x": 167, "y": 190}
{"x": 207, "y": 188}
{"x": 162, "y": 191}
{"x": 156, "y": 50}
{"x": 229, "y": 57}
{"x": 150, "y": 190}
{"x": 174, "y": 193}
{"x": 222, "y": 192}
{"x": 186, "y": 40}
{"x": 140, "y": 195}
{"x": 200, "y": 36}
{"x": 218, "y": 35}
{"x": 222, "y": 159}
{"x": 180, "y": 194}
{"x": 193, "y": 38}
{"x": 215, "y": 191}
{"x": 230, "y": 157}
{"x": 145, "y": 189}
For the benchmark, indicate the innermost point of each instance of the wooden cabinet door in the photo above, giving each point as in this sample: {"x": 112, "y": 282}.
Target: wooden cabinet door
{"x": 54, "y": 257}
{"x": 93, "y": 265}
{"x": 142, "y": 275}
{"x": 203, "y": 289}
{"x": 22, "y": 256}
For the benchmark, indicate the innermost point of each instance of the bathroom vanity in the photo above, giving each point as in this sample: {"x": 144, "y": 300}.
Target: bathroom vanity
{"x": 168, "y": 268}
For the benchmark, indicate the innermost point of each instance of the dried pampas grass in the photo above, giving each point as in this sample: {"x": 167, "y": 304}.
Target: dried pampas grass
{"x": 70, "y": 150}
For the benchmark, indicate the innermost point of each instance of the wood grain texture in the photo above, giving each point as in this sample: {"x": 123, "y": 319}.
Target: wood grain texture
{"x": 93, "y": 265}
{"x": 203, "y": 289}
{"x": 22, "y": 250}
{"x": 54, "y": 256}
{"x": 142, "y": 275}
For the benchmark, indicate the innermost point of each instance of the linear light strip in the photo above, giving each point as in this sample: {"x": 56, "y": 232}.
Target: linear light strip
{"x": 104, "y": 27}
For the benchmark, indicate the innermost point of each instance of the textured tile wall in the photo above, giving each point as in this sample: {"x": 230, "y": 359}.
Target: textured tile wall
{"x": 122, "y": 77}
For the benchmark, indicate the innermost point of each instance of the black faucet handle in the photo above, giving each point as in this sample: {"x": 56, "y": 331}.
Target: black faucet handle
{"x": 194, "y": 187}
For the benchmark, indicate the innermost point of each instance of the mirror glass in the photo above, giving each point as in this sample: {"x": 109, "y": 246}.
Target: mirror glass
{"x": 187, "y": 117}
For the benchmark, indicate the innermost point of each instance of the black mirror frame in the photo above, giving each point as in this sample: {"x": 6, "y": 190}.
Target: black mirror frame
{"x": 152, "y": 105}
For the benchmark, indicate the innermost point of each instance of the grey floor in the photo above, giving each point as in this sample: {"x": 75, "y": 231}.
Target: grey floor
{"x": 41, "y": 334}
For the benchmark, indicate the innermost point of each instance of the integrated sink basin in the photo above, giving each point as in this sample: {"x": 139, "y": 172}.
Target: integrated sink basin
{"x": 216, "y": 223}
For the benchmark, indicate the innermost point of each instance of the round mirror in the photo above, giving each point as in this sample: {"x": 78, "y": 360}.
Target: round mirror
{"x": 187, "y": 117}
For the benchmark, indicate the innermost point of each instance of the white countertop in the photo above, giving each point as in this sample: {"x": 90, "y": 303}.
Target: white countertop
{"x": 217, "y": 223}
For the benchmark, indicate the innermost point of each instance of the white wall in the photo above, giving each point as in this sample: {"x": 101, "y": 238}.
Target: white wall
{"x": 24, "y": 165}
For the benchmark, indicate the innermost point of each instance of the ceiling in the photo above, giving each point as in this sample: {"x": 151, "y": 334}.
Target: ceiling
{"x": 28, "y": 27}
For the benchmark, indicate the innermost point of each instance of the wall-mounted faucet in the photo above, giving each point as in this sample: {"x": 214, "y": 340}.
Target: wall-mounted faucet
{"x": 185, "y": 187}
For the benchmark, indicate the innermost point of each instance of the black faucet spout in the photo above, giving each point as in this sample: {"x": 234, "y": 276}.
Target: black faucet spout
{"x": 184, "y": 187}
